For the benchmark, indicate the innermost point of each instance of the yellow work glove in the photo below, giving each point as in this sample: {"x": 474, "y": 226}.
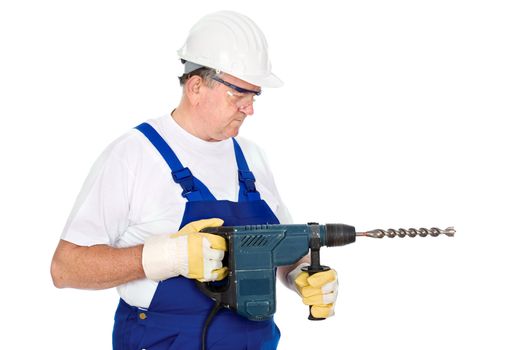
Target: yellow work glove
{"x": 318, "y": 290}
{"x": 189, "y": 253}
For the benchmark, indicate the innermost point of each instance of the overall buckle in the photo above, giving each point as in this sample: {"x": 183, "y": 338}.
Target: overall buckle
{"x": 184, "y": 178}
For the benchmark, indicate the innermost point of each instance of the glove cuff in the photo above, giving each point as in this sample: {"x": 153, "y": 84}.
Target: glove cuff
{"x": 161, "y": 257}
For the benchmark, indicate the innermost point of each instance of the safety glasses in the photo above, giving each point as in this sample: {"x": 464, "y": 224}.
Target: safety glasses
{"x": 240, "y": 96}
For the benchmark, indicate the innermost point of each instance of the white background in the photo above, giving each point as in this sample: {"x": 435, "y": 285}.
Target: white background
{"x": 394, "y": 114}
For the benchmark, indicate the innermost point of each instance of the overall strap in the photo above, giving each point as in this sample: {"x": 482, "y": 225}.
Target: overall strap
{"x": 247, "y": 190}
{"x": 192, "y": 188}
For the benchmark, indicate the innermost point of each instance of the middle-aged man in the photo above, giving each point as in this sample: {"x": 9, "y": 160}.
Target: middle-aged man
{"x": 132, "y": 228}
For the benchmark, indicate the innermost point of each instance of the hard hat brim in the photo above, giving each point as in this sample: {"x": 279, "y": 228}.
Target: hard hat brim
{"x": 269, "y": 81}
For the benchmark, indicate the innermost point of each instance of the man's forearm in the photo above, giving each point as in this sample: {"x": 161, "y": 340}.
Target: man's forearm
{"x": 95, "y": 267}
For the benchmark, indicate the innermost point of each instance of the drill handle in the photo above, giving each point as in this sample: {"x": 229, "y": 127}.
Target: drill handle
{"x": 311, "y": 270}
{"x": 315, "y": 262}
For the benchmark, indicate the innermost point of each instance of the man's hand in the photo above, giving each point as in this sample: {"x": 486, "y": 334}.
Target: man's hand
{"x": 318, "y": 290}
{"x": 189, "y": 253}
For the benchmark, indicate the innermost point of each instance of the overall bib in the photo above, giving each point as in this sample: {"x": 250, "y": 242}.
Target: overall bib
{"x": 178, "y": 310}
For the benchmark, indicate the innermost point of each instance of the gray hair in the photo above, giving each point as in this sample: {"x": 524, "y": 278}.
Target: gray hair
{"x": 205, "y": 73}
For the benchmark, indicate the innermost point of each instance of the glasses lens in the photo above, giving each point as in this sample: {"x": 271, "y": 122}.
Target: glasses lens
{"x": 247, "y": 99}
{"x": 241, "y": 100}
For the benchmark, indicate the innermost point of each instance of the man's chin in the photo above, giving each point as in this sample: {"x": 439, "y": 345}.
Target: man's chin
{"x": 228, "y": 134}
{"x": 234, "y": 132}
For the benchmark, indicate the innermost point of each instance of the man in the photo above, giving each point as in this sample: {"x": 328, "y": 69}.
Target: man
{"x": 131, "y": 227}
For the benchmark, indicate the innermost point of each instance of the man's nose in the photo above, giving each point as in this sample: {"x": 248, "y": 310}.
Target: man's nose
{"x": 247, "y": 109}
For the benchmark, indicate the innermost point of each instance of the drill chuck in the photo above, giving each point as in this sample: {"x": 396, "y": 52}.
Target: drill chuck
{"x": 339, "y": 234}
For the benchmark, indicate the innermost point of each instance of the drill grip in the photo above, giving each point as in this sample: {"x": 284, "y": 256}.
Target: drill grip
{"x": 315, "y": 260}
{"x": 311, "y": 270}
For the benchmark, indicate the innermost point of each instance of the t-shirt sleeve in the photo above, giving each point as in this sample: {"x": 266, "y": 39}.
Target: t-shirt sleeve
{"x": 101, "y": 211}
{"x": 282, "y": 212}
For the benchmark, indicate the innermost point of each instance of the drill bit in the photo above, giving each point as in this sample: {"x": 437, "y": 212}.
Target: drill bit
{"x": 411, "y": 232}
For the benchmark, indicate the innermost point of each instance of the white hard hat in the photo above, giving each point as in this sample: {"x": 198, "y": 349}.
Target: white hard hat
{"x": 232, "y": 43}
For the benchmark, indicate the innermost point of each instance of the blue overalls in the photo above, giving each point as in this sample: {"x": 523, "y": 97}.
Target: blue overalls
{"x": 177, "y": 312}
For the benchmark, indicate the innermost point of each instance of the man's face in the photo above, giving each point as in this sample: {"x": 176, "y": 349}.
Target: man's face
{"x": 224, "y": 109}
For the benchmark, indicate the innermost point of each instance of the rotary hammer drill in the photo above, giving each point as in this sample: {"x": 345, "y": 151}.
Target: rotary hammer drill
{"x": 255, "y": 251}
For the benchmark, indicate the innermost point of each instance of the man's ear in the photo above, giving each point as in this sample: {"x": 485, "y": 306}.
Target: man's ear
{"x": 193, "y": 89}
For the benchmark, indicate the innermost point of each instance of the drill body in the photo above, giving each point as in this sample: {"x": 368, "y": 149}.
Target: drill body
{"x": 255, "y": 251}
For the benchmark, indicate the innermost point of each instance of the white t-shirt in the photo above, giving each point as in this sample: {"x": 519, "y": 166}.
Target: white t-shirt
{"x": 130, "y": 193}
